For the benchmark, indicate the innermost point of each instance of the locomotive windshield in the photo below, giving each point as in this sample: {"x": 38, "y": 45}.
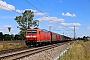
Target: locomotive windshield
{"x": 32, "y": 31}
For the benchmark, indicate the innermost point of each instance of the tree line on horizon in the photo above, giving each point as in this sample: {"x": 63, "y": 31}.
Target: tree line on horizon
{"x": 7, "y": 37}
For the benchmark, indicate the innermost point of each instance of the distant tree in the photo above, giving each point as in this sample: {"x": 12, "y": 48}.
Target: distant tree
{"x": 84, "y": 37}
{"x": 7, "y": 37}
{"x": 17, "y": 37}
{"x": 78, "y": 38}
{"x": 12, "y": 37}
{"x": 1, "y": 36}
{"x": 25, "y": 21}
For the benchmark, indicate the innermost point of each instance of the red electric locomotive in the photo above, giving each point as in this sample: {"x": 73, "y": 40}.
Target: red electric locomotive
{"x": 37, "y": 36}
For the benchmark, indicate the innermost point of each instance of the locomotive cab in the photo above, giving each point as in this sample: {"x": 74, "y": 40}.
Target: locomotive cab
{"x": 31, "y": 36}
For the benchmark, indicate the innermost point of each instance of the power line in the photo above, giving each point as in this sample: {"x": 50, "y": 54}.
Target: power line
{"x": 27, "y": 1}
{"x": 51, "y": 15}
{"x": 33, "y": 6}
{"x": 36, "y": 8}
{"x": 15, "y": 3}
{"x": 55, "y": 28}
{"x": 39, "y": 10}
{"x": 46, "y": 11}
{"x": 42, "y": 5}
{"x": 13, "y": 10}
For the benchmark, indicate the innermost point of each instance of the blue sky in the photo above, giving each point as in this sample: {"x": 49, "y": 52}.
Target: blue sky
{"x": 61, "y": 15}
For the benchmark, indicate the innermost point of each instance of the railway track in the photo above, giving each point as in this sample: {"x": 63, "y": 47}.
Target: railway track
{"x": 11, "y": 50}
{"x": 27, "y": 52}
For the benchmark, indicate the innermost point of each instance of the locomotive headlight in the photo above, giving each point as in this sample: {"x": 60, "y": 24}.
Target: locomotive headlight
{"x": 27, "y": 36}
{"x": 34, "y": 36}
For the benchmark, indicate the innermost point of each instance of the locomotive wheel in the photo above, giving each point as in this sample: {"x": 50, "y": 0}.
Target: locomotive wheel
{"x": 35, "y": 45}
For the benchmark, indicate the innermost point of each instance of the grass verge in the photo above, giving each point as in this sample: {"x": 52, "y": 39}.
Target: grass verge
{"x": 4, "y": 45}
{"x": 79, "y": 50}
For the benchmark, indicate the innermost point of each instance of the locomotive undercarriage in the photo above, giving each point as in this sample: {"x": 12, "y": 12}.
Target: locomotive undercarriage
{"x": 30, "y": 43}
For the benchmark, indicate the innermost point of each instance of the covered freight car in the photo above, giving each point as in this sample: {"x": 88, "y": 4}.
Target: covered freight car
{"x": 55, "y": 37}
{"x": 65, "y": 38}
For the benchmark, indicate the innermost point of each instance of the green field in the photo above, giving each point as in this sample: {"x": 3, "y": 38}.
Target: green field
{"x": 79, "y": 50}
{"x": 4, "y": 45}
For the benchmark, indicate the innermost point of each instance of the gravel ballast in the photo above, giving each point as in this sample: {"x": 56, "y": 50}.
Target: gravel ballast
{"x": 50, "y": 54}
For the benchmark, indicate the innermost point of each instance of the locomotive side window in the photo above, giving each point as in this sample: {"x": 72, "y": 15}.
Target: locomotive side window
{"x": 32, "y": 31}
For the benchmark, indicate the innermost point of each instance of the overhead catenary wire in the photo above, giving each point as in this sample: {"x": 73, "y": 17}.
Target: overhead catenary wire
{"x": 34, "y": 6}
{"x": 30, "y": 4}
{"x": 42, "y": 6}
{"x": 14, "y": 10}
{"x": 15, "y": 3}
{"x": 63, "y": 26}
{"x": 51, "y": 15}
{"x": 45, "y": 9}
{"x": 36, "y": 9}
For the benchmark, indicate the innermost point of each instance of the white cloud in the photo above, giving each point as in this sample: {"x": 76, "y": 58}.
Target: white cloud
{"x": 75, "y": 28}
{"x": 32, "y": 10}
{"x": 7, "y": 26}
{"x": 55, "y": 19}
{"x": 40, "y": 14}
{"x": 5, "y": 6}
{"x": 60, "y": 27}
{"x": 70, "y": 28}
{"x": 83, "y": 35}
{"x": 21, "y": 11}
{"x": 1, "y": 28}
{"x": 68, "y": 14}
{"x": 71, "y": 24}
{"x": 50, "y": 25}
{"x": 35, "y": 12}
{"x": 88, "y": 27}
{"x": 4, "y": 29}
